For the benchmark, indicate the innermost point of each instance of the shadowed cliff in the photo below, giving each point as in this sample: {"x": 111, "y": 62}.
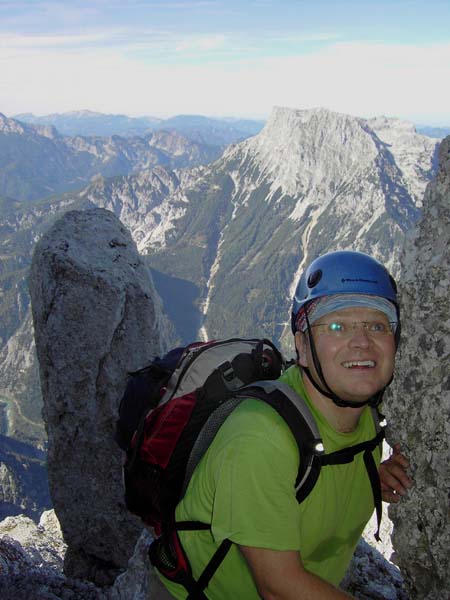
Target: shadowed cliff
{"x": 418, "y": 405}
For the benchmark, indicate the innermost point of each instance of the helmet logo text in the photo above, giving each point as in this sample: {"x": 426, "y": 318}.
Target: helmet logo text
{"x": 348, "y": 280}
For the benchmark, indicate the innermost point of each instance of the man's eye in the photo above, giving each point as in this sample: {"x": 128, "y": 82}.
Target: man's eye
{"x": 336, "y": 327}
{"x": 378, "y": 327}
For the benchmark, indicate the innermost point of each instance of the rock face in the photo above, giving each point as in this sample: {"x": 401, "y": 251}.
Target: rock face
{"x": 43, "y": 542}
{"x": 136, "y": 582}
{"x": 419, "y": 403}
{"x": 31, "y": 557}
{"x": 415, "y": 154}
{"x": 96, "y": 318}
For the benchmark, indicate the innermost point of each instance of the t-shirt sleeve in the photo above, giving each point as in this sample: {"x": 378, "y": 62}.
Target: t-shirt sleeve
{"x": 255, "y": 472}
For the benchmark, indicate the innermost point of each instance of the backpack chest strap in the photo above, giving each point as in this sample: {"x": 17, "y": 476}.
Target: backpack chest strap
{"x": 346, "y": 455}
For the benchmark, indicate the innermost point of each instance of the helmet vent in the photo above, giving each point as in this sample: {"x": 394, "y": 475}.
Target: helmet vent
{"x": 314, "y": 278}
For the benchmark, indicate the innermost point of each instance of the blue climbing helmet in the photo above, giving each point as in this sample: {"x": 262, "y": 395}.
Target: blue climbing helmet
{"x": 343, "y": 272}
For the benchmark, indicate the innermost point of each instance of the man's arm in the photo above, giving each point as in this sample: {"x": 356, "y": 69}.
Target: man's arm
{"x": 280, "y": 575}
{"x": 394, "y": 479}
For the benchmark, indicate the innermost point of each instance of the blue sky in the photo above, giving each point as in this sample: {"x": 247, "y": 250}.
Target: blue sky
{"x": 224, "y": 57}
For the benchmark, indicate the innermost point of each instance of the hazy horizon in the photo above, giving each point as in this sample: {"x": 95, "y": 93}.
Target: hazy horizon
{"x": 218, "y": 117}
{"x": 227, "y": 58}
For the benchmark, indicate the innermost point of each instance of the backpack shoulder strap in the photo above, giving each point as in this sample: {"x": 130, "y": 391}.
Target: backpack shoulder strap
{"x": 347, "y": 455}
{"x": 294, "y": 410}
{"x": 378, "y": 419}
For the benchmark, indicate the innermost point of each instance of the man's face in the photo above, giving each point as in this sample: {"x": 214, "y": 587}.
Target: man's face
{"x": 355, "y": 365}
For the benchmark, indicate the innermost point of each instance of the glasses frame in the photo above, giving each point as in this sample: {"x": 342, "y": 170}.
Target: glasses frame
{"x": 352, "y": 326}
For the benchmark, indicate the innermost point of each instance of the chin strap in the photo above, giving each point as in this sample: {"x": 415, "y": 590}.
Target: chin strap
{"x": 326, "y": 390}
{"x": 374, "y": 400}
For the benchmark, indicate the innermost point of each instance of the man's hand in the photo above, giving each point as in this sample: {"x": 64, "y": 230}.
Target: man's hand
{"x": 395, "y": 482}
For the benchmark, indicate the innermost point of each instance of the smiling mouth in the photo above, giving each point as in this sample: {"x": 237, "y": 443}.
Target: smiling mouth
{"x": 352, "y": 364}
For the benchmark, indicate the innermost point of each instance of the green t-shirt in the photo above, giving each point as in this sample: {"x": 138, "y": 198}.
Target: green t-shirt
{"x": 244, "y": 487}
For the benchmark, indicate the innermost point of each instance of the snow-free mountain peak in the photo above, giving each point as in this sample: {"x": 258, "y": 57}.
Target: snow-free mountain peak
{"x": 415, "y": 154}
{"x": 305, "y": 153}
{"x": 17, "y": 127}
{"x": 301, "y": 149}
{"x": 10, "y": 125}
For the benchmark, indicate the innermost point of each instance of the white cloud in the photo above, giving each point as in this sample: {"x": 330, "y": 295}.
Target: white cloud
{"x": 17, "y": 42}
{"x": 202, "y": 42}
{"x": 144, "y": 44}
{"x": 359, "y": 78}
{"x": 189, "y": 4}
{"x": 302, "y": 38}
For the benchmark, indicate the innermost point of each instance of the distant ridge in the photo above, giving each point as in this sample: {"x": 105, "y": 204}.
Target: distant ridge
{"x": 434, "y": 132}
{"x": 36, "y": 161}
{"x": 197, "y": 127}
{"x": 89, "y": 123}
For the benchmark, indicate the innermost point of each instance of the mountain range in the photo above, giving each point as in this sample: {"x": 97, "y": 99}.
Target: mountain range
{"x": 197, "y": 128}
{"x": 36, "y": 161}
{"x": 225, "y": 240}
{"x": 230, "y": 238}
{"x": 90, "y": 123}
{"x": 435, "y": 132}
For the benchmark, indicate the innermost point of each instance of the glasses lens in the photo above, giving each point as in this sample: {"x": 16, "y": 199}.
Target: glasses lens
{"x": 346, "y": 329}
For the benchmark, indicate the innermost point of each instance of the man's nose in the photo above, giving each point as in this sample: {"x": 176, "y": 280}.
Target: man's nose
{"x": 360, "y": 336}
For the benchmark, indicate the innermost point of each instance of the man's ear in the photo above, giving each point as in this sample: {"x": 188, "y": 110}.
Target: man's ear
{"x": 301, "y": 346}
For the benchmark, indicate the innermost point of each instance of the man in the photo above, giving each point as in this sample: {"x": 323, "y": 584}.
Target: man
{"x": 346, "y": 324}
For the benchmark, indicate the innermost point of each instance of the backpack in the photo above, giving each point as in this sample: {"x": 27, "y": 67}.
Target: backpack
{"x": 168, "y": 417}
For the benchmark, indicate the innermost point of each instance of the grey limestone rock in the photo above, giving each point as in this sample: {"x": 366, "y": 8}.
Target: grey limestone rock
{"x": 419, "y": 403}
{"x": 96, "y": 318}
{"x": 371, "y": 577}
{"x": 31, "y": 557}
{"x": 42, "y": 542}
{"x": 136, "y": 582}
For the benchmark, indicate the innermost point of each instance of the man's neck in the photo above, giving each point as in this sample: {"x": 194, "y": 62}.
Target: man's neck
{"x": 344, "y": 420}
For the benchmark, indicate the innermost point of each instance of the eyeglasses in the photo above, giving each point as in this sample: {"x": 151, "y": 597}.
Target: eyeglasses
{"x": 342, "y": 329}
